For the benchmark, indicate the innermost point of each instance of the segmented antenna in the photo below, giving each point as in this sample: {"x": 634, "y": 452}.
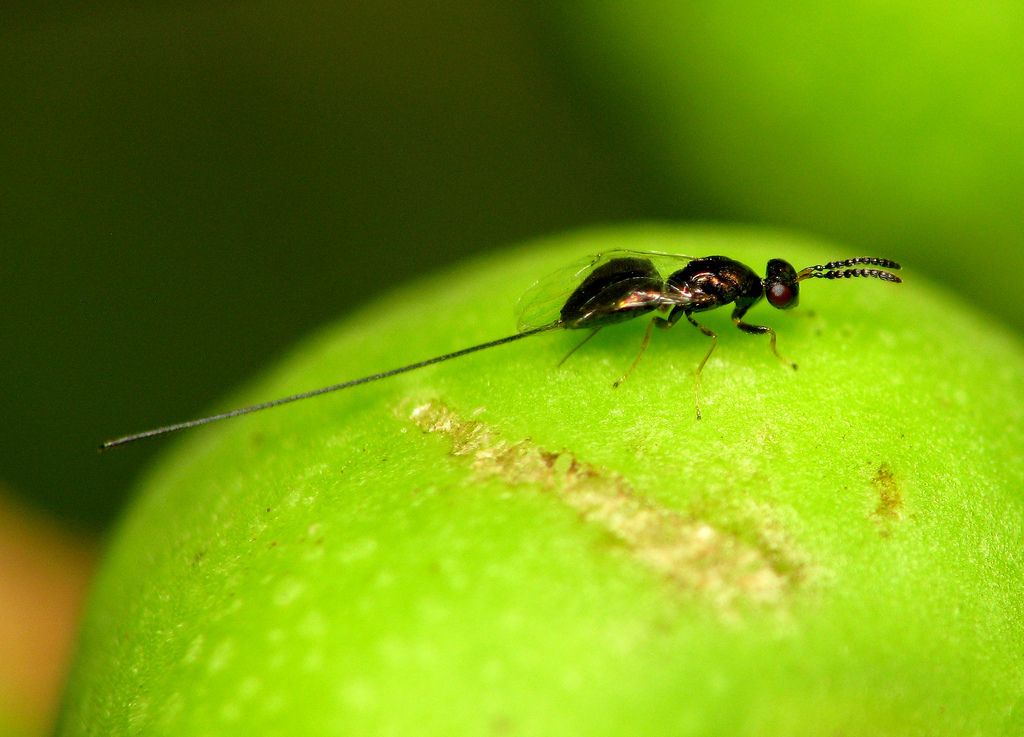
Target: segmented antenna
{"x": 836, "y": 270}
{"x": 883, "y": 262}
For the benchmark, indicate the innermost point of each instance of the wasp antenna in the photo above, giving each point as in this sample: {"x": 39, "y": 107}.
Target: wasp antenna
{"x": 837, "y": 270}
{"x": 870, "y": 260}
{"x": 851, "y": 274}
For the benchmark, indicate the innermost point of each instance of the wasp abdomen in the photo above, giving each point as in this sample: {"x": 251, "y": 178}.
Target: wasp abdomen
{"x": 616, "y": 291}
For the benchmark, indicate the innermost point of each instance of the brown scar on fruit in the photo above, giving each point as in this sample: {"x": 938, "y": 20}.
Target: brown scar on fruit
{"x": 889, "y": 507}
{"x": 744, "y": 557}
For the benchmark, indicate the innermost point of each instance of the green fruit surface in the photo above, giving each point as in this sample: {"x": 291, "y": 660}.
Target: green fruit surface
{"x": 896, "y": 126}
{"x": 496, "y": 546}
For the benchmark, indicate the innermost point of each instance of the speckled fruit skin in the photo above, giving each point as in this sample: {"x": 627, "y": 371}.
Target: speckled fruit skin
{"x": 495, "y": 546}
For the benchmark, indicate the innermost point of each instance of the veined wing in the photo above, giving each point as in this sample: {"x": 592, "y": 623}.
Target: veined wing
{"x": 542, "y": 303}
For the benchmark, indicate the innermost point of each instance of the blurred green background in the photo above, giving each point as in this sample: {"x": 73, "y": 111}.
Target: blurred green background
{"x": 187, "y": 187}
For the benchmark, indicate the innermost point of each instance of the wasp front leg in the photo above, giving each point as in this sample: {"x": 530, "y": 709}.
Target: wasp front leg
{"x": 737, "y": 319}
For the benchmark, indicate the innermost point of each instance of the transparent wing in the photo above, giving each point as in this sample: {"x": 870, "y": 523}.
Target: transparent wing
{"x": 542, "y": 303}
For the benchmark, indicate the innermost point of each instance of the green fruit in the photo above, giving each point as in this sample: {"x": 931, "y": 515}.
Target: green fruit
{"x": 498, "y": 546}
{"x": 894, "y": 126}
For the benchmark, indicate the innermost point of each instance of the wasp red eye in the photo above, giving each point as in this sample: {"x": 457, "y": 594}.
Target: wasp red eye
{"x": 781, "y": 295}
{"x": 780, "y": 284}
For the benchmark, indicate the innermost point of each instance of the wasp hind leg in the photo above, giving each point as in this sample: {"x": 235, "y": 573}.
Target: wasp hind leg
{"x": 579, "y": 345}
{"x": 659, "y": 322}
{"x": 639, "y": 355}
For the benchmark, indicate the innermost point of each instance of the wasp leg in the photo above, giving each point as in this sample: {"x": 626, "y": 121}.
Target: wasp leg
{"x": 639, "y": 355}
{"x": 737, "y": 319}
{"x": 578, "y": 346}
{"x": 659, "y": 322}
{"x": 714, "y": 343}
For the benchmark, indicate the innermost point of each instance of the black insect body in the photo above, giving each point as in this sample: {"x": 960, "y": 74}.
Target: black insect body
{"x": 620, "y": 285}
{"x": 617, "y": 290}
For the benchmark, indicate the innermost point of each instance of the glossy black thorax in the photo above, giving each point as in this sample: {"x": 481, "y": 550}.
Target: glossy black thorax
{"x": 714, "y": 281}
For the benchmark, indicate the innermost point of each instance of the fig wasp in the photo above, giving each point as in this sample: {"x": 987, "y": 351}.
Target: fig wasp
{"x": 620, "y": 285}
